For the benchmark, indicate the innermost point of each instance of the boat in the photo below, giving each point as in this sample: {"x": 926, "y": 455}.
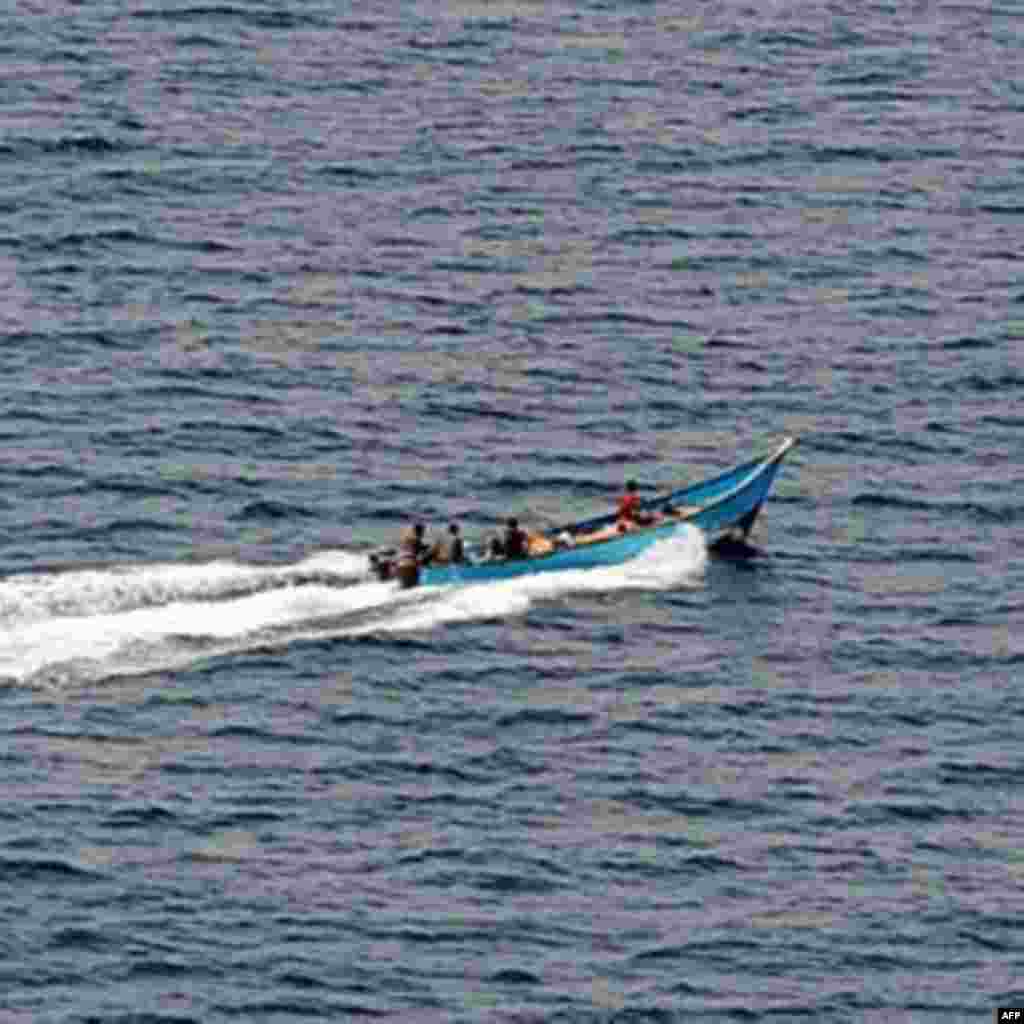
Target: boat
{"x": 724, "y": 507}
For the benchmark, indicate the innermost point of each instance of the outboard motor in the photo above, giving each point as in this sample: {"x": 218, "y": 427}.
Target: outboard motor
{"x": 386, "y": 564}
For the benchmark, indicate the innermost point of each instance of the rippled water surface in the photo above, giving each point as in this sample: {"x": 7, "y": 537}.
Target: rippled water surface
{"x": 278, "y": 277}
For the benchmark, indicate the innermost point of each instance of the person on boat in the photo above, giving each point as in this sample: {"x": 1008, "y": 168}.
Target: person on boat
{"x": 453, "y": 551}
{"x": 629, "y": 503}
{"x": 413, "y": 553}
{"x": 448, "y": 551}
{"x": 412, "y": 542}
{"x": 629, "y": 513}
{"x": 515, "y": 543}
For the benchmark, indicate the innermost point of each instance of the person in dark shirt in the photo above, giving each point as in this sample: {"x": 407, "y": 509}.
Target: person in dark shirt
{"x": 455, "y": 551}
{"x": 515, "y": 540}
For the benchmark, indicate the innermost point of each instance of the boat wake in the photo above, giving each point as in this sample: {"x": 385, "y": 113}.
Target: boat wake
{"x": 59, "y": 629}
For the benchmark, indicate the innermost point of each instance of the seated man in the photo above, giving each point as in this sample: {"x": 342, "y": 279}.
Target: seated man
{"x": 455, "y": 550}
{"x": 515, "y": 540}
{"x": 629, "y": 512}
{"x": 450, "y": 551}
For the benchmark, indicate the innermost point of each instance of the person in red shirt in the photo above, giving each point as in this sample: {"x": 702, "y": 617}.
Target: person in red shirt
{"x": 629, "y": 504}
{"x": 628, "y": 512}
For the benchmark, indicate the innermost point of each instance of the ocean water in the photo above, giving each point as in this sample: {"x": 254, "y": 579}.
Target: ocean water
{"x": 277, "y": 278}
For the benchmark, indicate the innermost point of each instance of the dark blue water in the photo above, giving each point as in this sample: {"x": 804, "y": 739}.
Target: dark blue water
{"x": 277, "y": 277}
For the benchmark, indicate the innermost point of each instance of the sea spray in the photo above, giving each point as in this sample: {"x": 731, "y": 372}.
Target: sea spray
{"x": 34, "y": 597}
{"x": 63, "y": 627}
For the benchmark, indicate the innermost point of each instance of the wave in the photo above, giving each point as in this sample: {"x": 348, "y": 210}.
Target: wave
{"x": 999, "y": 512}
{"x": 61, "y": 629}
{"x": 73, "y": 145}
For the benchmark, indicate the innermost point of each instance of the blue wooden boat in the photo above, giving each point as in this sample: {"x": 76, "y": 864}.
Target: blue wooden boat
{"x": 723, "y": 505}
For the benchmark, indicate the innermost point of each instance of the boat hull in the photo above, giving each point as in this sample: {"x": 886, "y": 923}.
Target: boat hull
{"x": 590, "y": 556}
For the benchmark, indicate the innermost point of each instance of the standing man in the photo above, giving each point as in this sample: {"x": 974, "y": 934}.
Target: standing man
{"x": 412, "y": 554}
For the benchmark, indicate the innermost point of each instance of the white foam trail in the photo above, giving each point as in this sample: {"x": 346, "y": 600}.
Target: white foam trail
{"x": 39, "y": 597}
{"x": 127, "y": 630}
{"x": 29, "y": 649}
